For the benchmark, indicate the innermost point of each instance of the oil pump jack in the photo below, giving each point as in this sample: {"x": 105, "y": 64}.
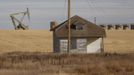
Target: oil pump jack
{"x": 18, "y": 24}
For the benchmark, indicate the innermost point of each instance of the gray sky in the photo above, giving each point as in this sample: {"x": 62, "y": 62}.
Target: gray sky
{"x": 44, "y": 11}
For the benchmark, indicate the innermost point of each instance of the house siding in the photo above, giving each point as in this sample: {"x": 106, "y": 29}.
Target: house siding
{"x": 94, "y": 45}
{"x": 57, "y": 45}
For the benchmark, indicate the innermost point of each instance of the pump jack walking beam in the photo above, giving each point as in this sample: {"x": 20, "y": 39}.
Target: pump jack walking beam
{"x": 20, "y": 22}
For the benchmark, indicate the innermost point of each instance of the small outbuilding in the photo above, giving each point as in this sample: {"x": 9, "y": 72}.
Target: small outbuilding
{"x": 118, "y": 26}
{"x": 110, "y": 27}
{"x": 86, "y": 37}
{"x": 126, "y": 26}
{"x": 132, "y": 26}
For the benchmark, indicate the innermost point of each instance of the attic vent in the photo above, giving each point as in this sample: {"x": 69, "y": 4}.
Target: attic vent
{"x": 76, "y": 27}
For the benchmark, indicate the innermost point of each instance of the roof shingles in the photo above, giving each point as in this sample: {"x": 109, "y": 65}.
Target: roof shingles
{"x": 89, "y": 29}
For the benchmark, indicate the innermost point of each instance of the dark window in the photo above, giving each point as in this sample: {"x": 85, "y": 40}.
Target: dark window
{"x": 73, "y": 26}
{"x": 77, "y": 27}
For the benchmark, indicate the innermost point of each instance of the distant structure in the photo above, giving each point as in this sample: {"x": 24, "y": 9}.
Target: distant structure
{"x": 86, "y": 37}
{"x": 18, "y": 24}
{"x": 132, "y": 26}
{"x": 110, "y": 27}
{"x": 117, "y": 26}
{"x": 125, "y": 27}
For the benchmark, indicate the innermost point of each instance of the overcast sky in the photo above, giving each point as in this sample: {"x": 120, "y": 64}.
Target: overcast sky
{"x": 44, "y": 11}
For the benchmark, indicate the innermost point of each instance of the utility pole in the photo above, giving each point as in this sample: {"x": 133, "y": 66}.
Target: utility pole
{"x": 69, "y": 26}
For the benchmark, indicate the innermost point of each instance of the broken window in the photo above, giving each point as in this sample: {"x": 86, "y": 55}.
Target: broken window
{"x": 76, "y": 27}
{"x": 73, "y": 26}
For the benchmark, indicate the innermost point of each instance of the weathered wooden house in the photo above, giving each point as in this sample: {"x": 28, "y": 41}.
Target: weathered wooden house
{"x": 86, "y": 37}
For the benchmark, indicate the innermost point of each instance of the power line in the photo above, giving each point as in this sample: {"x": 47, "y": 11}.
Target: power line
{"x": 65, "y": 6}
{"x": 89, "y": 4}
{"x": 93, "y": 6}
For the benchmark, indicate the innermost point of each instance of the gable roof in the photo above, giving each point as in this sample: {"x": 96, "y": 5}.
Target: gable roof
{"x": 89, "y": 30}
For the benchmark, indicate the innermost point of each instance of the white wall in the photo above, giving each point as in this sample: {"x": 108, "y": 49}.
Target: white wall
{"x": 95, "y": 46}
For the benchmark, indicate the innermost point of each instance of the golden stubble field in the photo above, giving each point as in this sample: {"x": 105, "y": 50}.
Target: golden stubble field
{"x": 26, "y": 55}
{"x": 26, "y": 41}
{"x": 119, "y": 41}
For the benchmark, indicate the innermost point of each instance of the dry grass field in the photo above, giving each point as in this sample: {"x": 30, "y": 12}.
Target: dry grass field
{"x": 25, "y": 41}
{"x": 22, "y": 54}
{"x": 118, "y": 41}
{"x": 66, "y": 64}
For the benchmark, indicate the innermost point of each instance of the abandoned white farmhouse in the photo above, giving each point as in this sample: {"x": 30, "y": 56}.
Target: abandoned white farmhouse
{"x": 86, "y": 37}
